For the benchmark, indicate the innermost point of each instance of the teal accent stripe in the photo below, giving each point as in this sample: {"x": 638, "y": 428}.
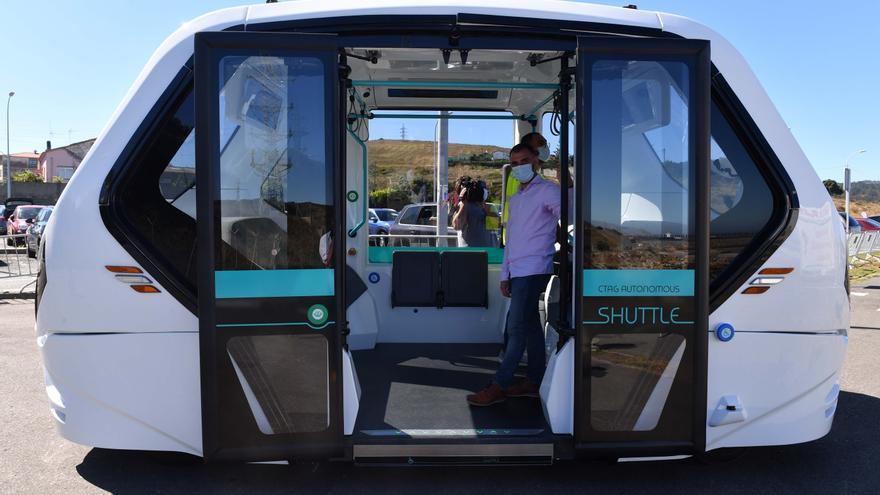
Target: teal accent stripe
{"x": 635, "y": 283}
{"x": 384, "y": 254}
{"x": 230, "y": 284}
{"x": 279, "y": 324}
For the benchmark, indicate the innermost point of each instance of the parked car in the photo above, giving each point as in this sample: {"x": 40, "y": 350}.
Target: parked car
{"x": 380, "y": 224}
{"x": 854, "y": 226}
{"x": 868, "y": 224}
{"x": 420, "y": 219}
{"x": 7, "y": 207}
{"x": 11, "y": 203}
{"x": 18, "y": 222}
{"x": 35, "y": 231}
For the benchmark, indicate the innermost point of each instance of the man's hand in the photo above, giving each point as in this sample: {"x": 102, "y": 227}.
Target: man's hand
{"x": 505, "y": 288}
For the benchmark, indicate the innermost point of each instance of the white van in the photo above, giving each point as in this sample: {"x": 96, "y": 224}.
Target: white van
{"x": 216, "y": 293}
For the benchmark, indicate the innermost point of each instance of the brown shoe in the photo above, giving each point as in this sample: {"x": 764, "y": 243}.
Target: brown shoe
{"x": 524, "y": 388}
{"x": 492, "y": 394}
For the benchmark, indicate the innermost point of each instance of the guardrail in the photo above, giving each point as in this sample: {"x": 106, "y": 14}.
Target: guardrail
{"x": 14, "y": 259}
{"x": 863, "y": 246}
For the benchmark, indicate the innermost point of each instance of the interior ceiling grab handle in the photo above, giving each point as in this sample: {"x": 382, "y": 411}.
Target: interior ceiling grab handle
{"x": 352, "y": 232}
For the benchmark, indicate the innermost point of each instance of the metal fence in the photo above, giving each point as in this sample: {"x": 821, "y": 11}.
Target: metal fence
{"x": 863, "y": 245}
{"x": 15, "y": 261}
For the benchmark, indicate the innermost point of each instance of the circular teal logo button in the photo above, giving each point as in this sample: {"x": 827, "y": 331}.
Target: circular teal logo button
{"x": 352, "y": 196}
{"x": 318, "y": 314}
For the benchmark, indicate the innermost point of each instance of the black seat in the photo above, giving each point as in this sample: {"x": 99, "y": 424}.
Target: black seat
{"x": 415, "y": 278}
{"x": 465, "y": 278}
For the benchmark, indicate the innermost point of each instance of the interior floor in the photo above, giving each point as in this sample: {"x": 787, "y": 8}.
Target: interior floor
{"x": 419, "y": 391}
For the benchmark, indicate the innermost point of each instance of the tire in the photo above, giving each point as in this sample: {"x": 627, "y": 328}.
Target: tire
{"x": 382, "y": 241}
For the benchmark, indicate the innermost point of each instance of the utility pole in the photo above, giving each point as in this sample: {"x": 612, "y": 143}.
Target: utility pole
{"x": 441, "y": 179}
{"x": 846, "y": 183}
{"x": 8, "y": 155}
{"x": 403, "y": 132}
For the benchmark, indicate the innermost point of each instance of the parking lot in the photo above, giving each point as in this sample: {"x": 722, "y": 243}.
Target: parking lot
{"x": 33, "y": 459}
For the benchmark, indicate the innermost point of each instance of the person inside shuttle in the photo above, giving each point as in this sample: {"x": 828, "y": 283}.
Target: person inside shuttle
{"x": 471, "y": 213}
{"x": 525, "y": 271}
{"x": 538, "y": 143}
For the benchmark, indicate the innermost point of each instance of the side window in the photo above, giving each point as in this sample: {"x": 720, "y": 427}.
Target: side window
{"x": 427, "y": 216}
{"x": 156, "y": 200}
{"x": 409, "y": 216}
{"x": 741, "y": 200}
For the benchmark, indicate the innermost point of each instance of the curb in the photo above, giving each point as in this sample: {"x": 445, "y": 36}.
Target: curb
{"x": 16, "y": 295}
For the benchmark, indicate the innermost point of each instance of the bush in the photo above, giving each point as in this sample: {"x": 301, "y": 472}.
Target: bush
{"x": 26, "y": 176}
{"x": 389, "y": 198}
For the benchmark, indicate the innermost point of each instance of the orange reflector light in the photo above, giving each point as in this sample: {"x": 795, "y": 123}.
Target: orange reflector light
{"x": 756, "y": 290}
{"x": 145, "y": 289}
{"x": 775, "y": 271}
{"x": 123, "y": 269}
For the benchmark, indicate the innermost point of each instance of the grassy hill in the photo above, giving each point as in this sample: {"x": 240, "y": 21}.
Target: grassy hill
{"x": 397, "y": 153}
{"x": 408, "y": 165}
{"x": 857, "y": 206}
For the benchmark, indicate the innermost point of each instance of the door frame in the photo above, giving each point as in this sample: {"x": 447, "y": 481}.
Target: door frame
{"x": 209, "y": 48}
{"x": 697, "y": 54}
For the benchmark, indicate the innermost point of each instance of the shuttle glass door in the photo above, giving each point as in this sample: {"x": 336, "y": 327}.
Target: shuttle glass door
{"x": 269, "y": 318}
{"x": 642, "y": 242}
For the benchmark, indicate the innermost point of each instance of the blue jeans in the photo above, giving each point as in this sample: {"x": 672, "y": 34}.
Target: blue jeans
{"x": 524, "y": 330}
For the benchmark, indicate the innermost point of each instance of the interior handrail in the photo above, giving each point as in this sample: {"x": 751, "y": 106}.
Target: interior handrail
{"x": 352, "y": 232}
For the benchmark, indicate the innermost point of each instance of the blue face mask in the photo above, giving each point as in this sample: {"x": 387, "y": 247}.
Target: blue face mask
{"x": 544, "y": 153}
{"x": 523, "y": 173}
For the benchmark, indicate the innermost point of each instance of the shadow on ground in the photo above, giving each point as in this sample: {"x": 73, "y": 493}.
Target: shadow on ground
{"x": 843, "y": 461}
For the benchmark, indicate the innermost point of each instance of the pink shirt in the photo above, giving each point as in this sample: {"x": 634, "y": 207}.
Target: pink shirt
{"x": 531, "y": 230}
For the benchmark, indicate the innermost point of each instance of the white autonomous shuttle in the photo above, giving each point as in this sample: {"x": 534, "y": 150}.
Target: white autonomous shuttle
{"x": 208, "y": 284}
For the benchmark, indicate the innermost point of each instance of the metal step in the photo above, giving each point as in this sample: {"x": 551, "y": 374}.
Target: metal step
{"x": 428, "y": 454}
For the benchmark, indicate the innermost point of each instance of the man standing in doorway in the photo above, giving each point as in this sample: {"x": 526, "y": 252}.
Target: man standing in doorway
{"x": 527, "y": 267}
{"x": 511, "y": 186}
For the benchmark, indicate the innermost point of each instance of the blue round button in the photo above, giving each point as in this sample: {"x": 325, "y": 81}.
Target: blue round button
{"x": 373, "y": 277}
{"x": 724, "y": 332}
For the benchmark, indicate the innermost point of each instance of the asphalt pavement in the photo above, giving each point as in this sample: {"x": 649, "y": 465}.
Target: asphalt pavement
{"x": 34, "y": 459}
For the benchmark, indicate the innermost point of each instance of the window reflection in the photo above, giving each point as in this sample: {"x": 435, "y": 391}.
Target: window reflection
{"x": 641, "y": 172}
{"x": 275, "y": 185}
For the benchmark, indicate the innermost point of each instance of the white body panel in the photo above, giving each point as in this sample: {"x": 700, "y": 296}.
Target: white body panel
{"x": 141, "y": 391}
{"x": 137, "y": 391}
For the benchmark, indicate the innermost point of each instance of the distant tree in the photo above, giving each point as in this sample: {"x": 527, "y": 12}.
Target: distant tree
{"x": 833, "y": 187}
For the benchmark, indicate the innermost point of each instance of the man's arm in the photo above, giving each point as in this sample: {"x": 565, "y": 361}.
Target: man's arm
{"x": 505, "y": 275}
{"x": 552, "y": 201}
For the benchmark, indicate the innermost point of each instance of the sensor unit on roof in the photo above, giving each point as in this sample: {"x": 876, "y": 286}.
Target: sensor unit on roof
{"x": 478, "y": 94}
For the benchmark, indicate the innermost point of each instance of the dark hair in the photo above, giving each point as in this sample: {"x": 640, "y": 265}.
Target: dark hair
{"x": 474, "y": 189}
{"x": 523, "y": 147}
{"x": 528, "y": 137}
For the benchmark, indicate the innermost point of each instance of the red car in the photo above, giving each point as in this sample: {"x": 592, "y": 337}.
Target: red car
{"x": 17, "y": 223}
{"x": 868, "y": 224}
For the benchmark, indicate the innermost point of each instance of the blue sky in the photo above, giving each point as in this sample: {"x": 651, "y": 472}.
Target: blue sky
{"x": 70, "y": 62}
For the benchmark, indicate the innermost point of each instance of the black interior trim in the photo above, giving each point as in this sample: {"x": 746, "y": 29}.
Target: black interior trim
{"x": 786, "y": 204}
{"x": 144, "y": 254}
